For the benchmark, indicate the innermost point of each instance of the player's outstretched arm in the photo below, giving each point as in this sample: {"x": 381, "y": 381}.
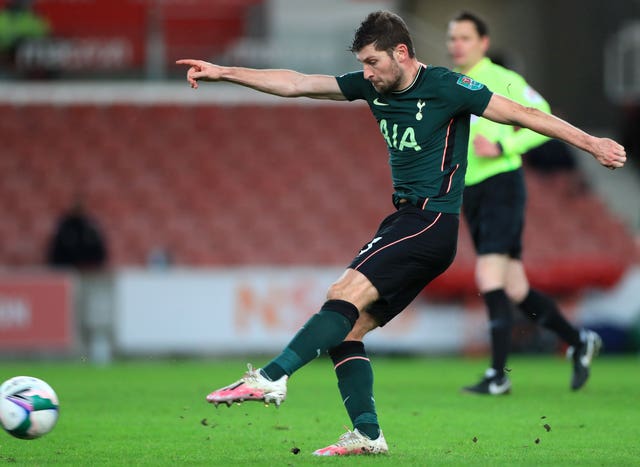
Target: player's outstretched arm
{"x": 503, "y": 110}
{"x": 285, "y": 83}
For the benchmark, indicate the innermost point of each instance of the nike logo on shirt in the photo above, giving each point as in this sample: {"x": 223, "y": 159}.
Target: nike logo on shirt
{"x": 377, "y": 102}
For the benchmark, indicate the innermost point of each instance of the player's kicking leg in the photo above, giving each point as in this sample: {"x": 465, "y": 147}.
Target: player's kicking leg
{"x": 322, "y": 331}
{"x": 253, "y": 386}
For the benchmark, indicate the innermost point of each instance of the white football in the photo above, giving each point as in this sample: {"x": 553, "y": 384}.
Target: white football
{"x": 28, "y": 407}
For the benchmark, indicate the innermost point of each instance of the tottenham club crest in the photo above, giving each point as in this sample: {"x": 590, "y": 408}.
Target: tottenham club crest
{"x": 420, "y": 105}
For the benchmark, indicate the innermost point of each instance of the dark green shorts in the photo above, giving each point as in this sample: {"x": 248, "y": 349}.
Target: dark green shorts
{"x": 410, "y": 249}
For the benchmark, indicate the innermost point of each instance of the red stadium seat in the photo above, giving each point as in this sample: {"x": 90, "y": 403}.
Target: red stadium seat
{"x": 281, "y": 193}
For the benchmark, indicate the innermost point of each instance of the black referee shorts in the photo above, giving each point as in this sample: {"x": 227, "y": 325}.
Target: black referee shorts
{"x": 494, "y": 210}
{"x": 409, "y": 250}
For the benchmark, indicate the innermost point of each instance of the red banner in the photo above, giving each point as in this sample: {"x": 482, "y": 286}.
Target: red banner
{"x": 103, "y": 35}
{"x": 36, "y": 312}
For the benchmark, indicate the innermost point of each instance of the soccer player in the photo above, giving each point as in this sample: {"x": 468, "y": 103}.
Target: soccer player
{"x": 423, "y": 113}
{"x": 494, "y": 205}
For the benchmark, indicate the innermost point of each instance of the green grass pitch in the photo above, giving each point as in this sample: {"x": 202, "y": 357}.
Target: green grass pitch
{"x": 153, "y": 412}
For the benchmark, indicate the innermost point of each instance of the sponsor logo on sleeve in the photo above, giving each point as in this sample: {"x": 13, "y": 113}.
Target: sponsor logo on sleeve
{"x": 469, "y": 83}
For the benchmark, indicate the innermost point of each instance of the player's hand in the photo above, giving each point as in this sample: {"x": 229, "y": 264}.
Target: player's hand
{"x": 485, "y": 148}
{"x": 609, "y": 153}
{"x": 200, "y": 70}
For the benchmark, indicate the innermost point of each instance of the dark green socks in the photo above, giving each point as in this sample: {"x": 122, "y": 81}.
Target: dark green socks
{"x": 355, "y": 381}
{"x": 324, "y": 330}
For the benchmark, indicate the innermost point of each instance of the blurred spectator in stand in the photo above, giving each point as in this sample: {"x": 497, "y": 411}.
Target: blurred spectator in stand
{"x": 552, "y": 156}
{"x": 555, "y": 159}
{"x": 556, "y": 162}
{"x": 18, "y": 23}
{"x": 77, "y": 241}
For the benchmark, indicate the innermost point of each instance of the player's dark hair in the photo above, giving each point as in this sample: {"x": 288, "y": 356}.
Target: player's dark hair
{"x": 384, "y": 30}
{"x": 481, "y": 26}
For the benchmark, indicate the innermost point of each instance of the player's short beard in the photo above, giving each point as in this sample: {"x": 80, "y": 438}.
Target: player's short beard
{"x": 395, "y": 84}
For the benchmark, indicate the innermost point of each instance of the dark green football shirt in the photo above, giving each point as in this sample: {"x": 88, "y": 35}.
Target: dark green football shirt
{"x": 426, "y": 127}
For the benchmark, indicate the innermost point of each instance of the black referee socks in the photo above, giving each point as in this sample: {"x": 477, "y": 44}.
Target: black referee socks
{"x": 541, "y": 309}
{"x": 500, "y": 323}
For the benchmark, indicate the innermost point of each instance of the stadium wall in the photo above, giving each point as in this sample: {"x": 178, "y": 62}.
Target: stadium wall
{"x": 230, "y": 310}
{"x": 250, "y": 310}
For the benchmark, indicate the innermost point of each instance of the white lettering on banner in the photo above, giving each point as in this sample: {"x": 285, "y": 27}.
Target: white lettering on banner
{"x": 14, "y": 313}
{"x": 75, "y": 54}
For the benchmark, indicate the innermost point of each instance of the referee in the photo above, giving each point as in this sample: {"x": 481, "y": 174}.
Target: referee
{"x": 494, "y": 208}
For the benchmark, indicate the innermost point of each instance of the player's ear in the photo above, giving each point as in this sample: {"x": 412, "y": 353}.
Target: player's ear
{"x": 486, "y": 42}
{"x": 401, "y": 52}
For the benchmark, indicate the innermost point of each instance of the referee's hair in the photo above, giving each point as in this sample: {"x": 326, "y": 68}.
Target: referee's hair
{"x": 480, "y": 24}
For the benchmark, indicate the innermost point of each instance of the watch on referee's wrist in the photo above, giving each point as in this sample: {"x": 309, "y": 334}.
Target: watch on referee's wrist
{"x": 500, "y": 149}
